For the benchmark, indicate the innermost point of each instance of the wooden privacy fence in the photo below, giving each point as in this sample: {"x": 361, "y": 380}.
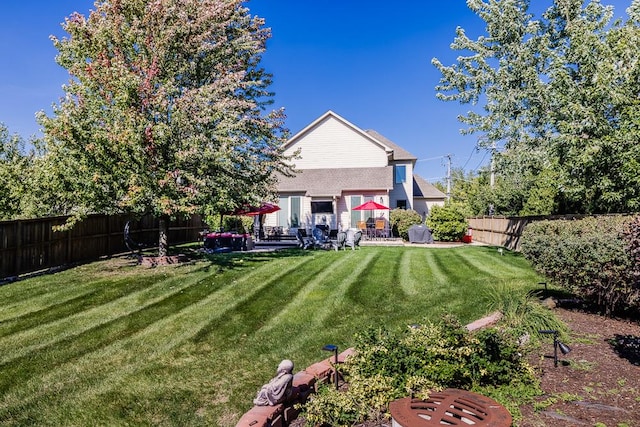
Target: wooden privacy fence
{"x": 32, "y": 245}
{"x": 500, "y": 230}
{"x": 507, "y": 230}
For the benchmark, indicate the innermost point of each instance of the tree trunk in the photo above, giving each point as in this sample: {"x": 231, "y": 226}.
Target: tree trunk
{"x": 163, "y": 245}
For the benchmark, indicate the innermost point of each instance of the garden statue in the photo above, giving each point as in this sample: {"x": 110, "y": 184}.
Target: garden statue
{"x": 278, "y": 389}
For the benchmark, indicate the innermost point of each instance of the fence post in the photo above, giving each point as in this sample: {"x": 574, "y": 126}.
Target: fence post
{"x": 18, "y": 256}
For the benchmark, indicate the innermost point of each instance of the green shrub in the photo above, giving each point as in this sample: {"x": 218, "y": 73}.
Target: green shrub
{"x": 239, "y": 223}
{"x": 401, "y": 220}
{"x": 420, "y": 359}
{"x": 447, "y": 223}
{"x": 590, "y": 258}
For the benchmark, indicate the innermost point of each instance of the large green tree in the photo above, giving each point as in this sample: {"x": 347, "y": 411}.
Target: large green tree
{"x": 165, "y": 110}
{"x": 560, "y": 97}
{"x": 14, "y": 165}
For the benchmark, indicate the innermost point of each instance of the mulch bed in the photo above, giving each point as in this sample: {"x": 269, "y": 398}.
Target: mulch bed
{"x": 606, "y": 385}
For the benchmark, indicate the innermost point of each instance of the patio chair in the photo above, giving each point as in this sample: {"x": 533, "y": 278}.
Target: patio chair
{"x": 352, "y": 239}
{"x": 303, "y": 241}
{"x": 381, "y": 228}
{"x": 362, "y": 226}
{"x": 320, "y": 239}
{"x": 357, "y": 236}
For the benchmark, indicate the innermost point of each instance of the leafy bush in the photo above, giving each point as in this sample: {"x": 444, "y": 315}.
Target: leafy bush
{"x": 237, "y": 223}
{"x": 589, "y": 257}
{"x": 401, "y": 220}
{"x": 447, "y": 223}
{"x": 420, "y": 359}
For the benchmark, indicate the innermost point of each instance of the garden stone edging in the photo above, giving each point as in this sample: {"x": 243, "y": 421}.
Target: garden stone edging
{"x": 306, "y": 381}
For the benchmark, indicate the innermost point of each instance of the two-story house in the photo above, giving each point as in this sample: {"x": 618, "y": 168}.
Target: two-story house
{"x": 342, "y": 166}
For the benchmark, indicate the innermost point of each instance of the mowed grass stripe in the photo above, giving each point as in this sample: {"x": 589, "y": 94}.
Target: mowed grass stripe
{"x": 434, "y": 274}
{"x": 319, "y": 294}
{"x": 107, "y": 368}
{"x": 101, "y": 293}
{"x": 90, "y": 340}
{"x": 49, "y": 298}
{"x": 95, "y": 337}
{"x": 378, "y": 283}
{"x": 41, "y": 336}
{"x": 317, "y": 308}
{"x": 490, "y": 262}
{"x": 20, "y": 295}
{"x": 415, "y": 272}
{"x": 259, "y": 306}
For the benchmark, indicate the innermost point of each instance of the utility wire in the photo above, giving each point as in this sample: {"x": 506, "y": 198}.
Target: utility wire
{"x": 480, "y": 164}
{"x": 469, "y": 159}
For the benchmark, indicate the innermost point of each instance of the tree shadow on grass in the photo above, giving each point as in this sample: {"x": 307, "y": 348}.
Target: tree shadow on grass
{"x": 232, "y": 260}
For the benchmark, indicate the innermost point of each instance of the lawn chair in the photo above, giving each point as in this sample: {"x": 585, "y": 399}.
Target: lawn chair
{"x": 321, "y": 240}
{"x": 352, "y": 239}
{"x": 304, "y": 242}
{"x": 357, "y": 236}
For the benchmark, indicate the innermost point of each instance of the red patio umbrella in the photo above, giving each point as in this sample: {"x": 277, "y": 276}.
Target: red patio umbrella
{"x": 264, "y": 208}
{"x": 370, "y": 206}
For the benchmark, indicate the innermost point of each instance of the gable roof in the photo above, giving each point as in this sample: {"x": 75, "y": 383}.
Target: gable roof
{"x": 399, "y": 153}
{"x": 425, "y": 190}
{"x": 390, "y": 147}
{"x": 332, "y": 182}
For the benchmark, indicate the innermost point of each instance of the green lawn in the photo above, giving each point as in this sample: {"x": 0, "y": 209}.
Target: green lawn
{"x": 111, "y": 343}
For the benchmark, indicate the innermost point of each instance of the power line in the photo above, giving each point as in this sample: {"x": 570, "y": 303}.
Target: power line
{"x": 483, "y": 157}
{"x": 433, "y": 158}
{"x": 470, "y": 156}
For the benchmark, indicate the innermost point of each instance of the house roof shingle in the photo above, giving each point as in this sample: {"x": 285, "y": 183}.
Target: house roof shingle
{"x": 399, "y": 153}
{"x": 425, "y": 190}
{"x": 332, "y": 182}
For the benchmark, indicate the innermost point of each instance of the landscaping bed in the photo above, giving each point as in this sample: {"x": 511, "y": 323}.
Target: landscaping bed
{"x": 592, "y": 385}
{"x": 606, "y": 385}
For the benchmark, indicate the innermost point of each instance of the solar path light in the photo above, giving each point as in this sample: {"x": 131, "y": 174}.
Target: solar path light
{"x": 564, "y": 349}
{"x": 334, "y": 349}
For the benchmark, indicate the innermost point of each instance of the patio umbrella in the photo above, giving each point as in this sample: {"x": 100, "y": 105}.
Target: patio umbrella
{"x": 264, "y": 208}
{"x": 370, "y": 206}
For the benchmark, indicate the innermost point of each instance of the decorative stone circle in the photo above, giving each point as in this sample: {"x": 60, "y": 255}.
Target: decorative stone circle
{"x": 451, "y": 407}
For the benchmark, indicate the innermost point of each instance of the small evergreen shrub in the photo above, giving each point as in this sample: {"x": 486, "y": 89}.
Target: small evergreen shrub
{"x": 447, "y": 223}
{"x": 423, "y": 358}
{"x": 401, "y": 220}
{"x": 591, "y": 258}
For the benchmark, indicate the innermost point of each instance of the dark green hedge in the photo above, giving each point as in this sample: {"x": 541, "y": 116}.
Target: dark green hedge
{"x": 591, "y": 257}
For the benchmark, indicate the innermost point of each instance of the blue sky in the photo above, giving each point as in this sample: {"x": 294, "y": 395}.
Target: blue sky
{"x": 367, "y": 60}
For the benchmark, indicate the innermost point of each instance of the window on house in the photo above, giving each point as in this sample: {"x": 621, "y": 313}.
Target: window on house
{"x": 355, "y": 215}
{"x": 401, "y": 174}
{"x": 283, "y": 214}
{"x": 295, "y": 211}
{"x": 401, "y": 204}
{"x": 322, "y": 207}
